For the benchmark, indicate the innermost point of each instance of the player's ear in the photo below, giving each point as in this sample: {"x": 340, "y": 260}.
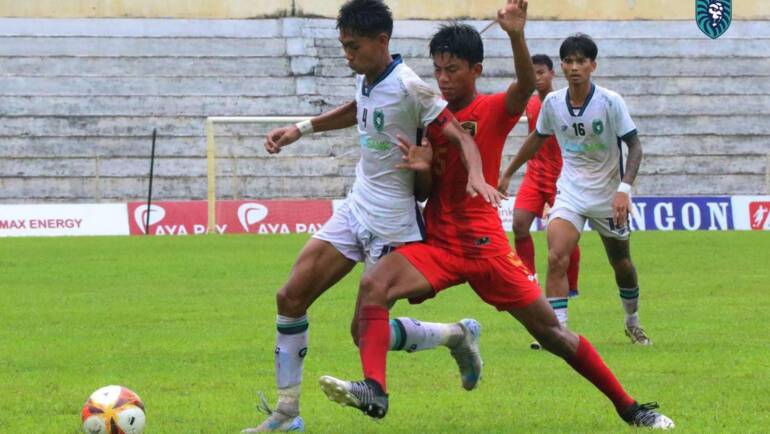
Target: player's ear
{"x": 383, "y": 39}
{"x": 476, "y": 69}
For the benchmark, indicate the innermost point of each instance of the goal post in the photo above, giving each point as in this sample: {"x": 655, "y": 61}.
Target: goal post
{"x": 211, "y": 152}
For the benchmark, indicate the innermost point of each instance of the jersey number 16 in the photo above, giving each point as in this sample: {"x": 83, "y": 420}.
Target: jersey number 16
{"x": 579, "y": 129}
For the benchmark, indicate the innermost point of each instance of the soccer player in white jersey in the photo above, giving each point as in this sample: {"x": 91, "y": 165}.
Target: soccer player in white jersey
{"x": 589, "y": 122}
{"x": 380, "y": 212}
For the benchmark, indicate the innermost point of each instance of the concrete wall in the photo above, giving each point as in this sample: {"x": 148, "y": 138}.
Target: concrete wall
{"x": 79, "y": 99}
{"x": 425, "y": 9}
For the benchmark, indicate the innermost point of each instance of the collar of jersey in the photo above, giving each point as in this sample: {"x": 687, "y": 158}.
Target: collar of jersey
{"x": 366, "y": 90}
{"x": 585, "y": 103}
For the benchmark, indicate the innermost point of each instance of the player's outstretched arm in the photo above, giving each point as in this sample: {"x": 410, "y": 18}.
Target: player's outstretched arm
{"x": 621, "y": 204}
{"x": 530, "y": 147}
{"x": 512, "y": 19}
{"x": 341, "y": 117}
{"x": 472, "y": 160}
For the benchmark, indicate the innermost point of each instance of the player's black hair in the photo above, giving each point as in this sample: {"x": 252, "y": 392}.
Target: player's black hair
{"x": 365, "y": 18}
{"x": 459, "y": 40}
{"x": 579, "y": 43}
{"x": 542, "y": 59}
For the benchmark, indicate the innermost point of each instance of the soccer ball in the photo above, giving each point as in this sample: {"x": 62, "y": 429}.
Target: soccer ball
{"x": 113, "y": 410}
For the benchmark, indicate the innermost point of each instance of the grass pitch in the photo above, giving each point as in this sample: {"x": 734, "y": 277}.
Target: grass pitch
{"x": 189, "y": 324}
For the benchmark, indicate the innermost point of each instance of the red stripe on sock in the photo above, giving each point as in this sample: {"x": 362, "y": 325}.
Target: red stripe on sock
{"x": 590, "y": 365}
{"x": 574, "y": 267}
{"x": 525, "y": 249}
{"x": 373, "y": 341}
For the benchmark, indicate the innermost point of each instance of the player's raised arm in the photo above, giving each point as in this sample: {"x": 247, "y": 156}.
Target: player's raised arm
{"x": 340, "y": 117}
{"x": 530, "y": 147}
{"x": 471, "y": 158}
{"x": 512, "y": 19}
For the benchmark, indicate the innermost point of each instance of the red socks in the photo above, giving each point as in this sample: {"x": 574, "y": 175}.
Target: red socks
{"x": 574, "y": 267}
{"x": 525, "y": 249}
{"x": 590, "y": 365}
{"x": 373, "y": 342}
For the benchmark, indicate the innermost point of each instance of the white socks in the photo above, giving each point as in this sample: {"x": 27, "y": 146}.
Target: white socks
{"x": 630, "y": 299}
{"x": 411, "y": 335}
{"x": 290, "y": 351}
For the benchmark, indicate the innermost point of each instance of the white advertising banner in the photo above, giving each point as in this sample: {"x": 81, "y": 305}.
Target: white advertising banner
{"x": 63, "y": 220}
{"x": 751, "y": 212}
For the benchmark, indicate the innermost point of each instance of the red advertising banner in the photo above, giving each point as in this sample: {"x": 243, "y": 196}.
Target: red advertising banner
{"x": 233, "y": 217}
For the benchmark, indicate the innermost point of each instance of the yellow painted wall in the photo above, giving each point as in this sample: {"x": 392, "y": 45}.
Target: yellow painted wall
{"x": 427, "y": 9}
{"x": 549, "y": 9}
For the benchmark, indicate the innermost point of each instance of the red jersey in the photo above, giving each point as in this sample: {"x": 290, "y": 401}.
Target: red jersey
{"x": 544, "y": 167}
{"x": 454, "y": 220}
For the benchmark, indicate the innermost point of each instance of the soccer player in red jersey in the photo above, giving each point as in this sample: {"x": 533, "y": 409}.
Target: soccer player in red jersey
{"x": 539, "y": 185}
{"x": 465, "y": 240}
{"x": 380, "y": 211}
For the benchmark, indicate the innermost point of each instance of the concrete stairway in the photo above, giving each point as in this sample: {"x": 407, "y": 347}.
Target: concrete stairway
{"x": 79, "y": 100}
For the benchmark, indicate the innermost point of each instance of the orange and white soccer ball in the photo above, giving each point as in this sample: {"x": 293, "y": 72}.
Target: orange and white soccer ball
{"x": 113, "y": 410}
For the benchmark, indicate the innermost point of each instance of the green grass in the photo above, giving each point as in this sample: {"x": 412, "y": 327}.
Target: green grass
{"x": 188, "y": 323}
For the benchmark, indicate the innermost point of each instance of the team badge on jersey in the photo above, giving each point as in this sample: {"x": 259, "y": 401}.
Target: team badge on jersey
{"x": 470, "y": 127}
{"x": 597, "y": 126}
{"x": 713, "y": 16}
{"x": 379, "y": 120}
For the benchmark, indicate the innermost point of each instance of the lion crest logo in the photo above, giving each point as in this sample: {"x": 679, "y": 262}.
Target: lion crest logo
{"x": 713, "y": 16}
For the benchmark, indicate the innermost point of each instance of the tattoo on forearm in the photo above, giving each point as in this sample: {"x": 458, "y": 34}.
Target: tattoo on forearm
{"x": 634, "y": 159}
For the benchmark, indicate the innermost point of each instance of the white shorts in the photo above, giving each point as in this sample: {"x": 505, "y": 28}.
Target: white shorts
{"x": 605, "y": 226}
{"x": 352, "y": 239}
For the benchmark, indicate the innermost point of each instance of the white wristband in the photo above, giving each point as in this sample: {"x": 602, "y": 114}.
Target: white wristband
{"x": 305, "y": 127}
{"x": 624, "y": 188}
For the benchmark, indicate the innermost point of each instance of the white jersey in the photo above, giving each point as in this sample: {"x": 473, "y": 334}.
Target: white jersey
{"x": 590, "y": 141}
{"x": 398, "y": 102}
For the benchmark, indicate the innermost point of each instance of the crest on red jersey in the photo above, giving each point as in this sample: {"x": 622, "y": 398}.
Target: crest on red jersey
{"x": 470, "y": 127}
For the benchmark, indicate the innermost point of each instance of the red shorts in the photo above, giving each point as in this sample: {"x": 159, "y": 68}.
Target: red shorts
{"x": 502, "y": 281}
{"x": 533, "y": 197}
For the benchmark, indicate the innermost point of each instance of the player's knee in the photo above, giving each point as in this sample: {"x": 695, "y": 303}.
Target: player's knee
{"x": 520, "y": 229}
{"x": 558, "y": 262}
{"x": 622, "y": 265}
{"x": 373, "y": 288}
{"x": 290, "y": 302}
